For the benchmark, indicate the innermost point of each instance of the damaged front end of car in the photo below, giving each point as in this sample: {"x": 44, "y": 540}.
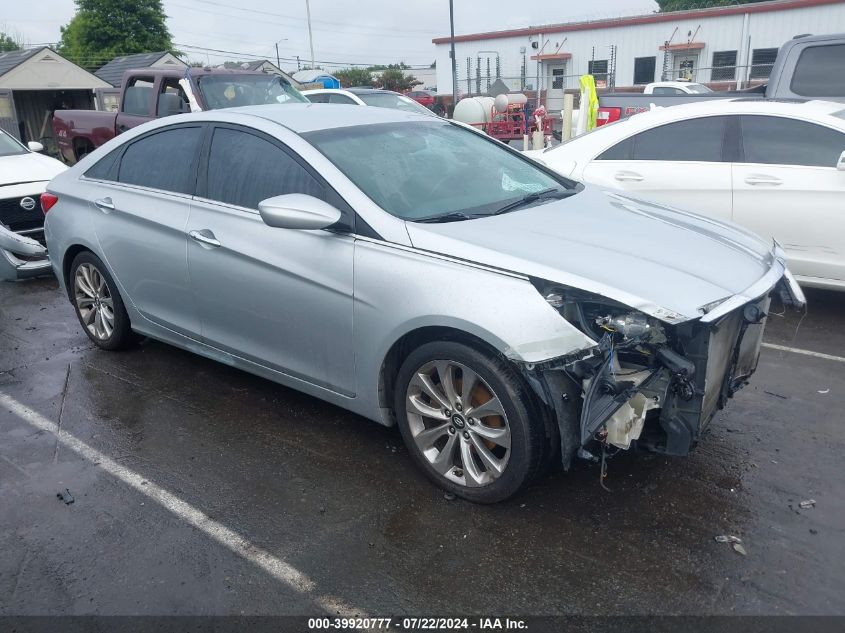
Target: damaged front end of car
{"x": 649, "y": 383}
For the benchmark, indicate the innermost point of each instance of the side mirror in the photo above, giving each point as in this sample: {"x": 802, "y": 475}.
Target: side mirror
{"x": 841, "y": 164}
{"x": 298, "y": 211}
{"x": 35, "y": 146}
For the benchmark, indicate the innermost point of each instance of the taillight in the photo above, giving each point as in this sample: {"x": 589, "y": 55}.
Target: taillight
{"x": 47, "y": 201}
{"x": 607, "y": 115}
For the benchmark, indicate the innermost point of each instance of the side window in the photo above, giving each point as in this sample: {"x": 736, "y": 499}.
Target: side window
{"x": 317, "y": 98}
{"x": 819, "y": 72}
{"x": 106, "y": 167}
{"x": 165, "y": 160}
{"x": 694, "y": 140}
{"x": 780, "y": 141}
{"x": 666, "y": 90}
{"x": 172, "y": 98}
{"x": 620, "y": 151}
{"x": 137, "y": 96}
{"x": 338, "y": 98}
{"x": 270, "y": 171}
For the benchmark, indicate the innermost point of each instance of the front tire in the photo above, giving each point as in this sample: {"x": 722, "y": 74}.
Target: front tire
{"x": 468, "y": 421}
{"x": 98, "y": 304}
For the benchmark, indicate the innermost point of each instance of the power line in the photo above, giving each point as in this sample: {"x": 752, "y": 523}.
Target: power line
{"x": 288, "y": 59}
{"x": 292, "y": 17}
{"x": 389, "y": 34}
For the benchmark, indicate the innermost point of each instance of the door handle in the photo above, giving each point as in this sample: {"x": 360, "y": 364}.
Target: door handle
{"x": 121, "y": 129}
{"x": 204, "y": 237}
{"x": 627, "y": 176}
{"x": 763, "y": 180}
{"x": 104, "y": 204}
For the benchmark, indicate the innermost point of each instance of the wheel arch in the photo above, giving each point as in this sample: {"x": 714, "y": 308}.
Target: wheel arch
{"x": 420, "y": 335}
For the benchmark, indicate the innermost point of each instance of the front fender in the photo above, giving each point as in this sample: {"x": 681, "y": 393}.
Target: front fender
{"x": 400, "y": 289}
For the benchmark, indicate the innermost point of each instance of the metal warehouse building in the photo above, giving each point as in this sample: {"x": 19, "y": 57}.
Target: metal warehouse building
{"x": 732, "y": 45}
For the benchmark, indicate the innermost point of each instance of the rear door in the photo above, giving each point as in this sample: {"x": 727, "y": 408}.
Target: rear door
{"x": 787, "y": 186}
{"x": 142, "y": 193}
{"x": 680, "y": 164}
{"x": 138, "y": 103}
{"x": 281, "y": 298}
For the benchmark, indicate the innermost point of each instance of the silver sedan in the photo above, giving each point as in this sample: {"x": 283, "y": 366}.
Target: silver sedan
{"x": 421, "y": 274}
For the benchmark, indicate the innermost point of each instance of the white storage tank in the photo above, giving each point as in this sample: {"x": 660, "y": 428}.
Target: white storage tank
{"x": 474, "y": 111}
{"x": 512, "y": 98}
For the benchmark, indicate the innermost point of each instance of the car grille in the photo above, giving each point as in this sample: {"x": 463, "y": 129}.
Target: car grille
{"x": 15, "y": 217}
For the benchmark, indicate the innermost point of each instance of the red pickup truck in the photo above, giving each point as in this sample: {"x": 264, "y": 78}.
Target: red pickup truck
{"x": 151, "y": 93}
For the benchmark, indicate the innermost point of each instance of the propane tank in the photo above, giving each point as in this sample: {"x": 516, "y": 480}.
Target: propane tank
{"x": 511, "y": 98}
{"x": 474, "y": 111}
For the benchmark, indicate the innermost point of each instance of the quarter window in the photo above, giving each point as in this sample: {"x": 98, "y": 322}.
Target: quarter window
{"x": 244, "y": 169}
{"x": 164, "y": 160}
{"x": 819, "y": 72}
{"x": 137, "y": 96}
{"x": 780, "y": 141}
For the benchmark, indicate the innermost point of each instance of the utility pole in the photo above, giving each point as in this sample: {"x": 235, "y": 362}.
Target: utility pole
{"x": 452, "y": 54}
{"x": 310, "y": 36}
{"x": 278, "y": 61}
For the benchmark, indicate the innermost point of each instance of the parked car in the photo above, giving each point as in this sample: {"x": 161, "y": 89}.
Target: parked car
{"x": 777, "y": 168}
{"x": 417, "y": 273}
{"x": 150, "y": 93}
{"x": 806, "y": 67}
{"x": 24, "y": 174}
{"x": 368, "y": 97}
{"x": 675, "y": 88}
{"x": 425, "y": 98}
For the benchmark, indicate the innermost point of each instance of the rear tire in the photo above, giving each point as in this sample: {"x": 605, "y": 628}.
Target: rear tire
{"x": 469, "y": 421}
{"x": 98, "y": 304}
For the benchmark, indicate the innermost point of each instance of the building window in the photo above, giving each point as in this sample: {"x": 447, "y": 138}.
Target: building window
{"x": 644, "y": 70}
{"x": 724, "y": 66}
{"x": 598, "y": 69}
{"x": 762, "y": 60}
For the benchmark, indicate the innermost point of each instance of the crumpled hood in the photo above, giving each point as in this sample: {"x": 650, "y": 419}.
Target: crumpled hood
{"x": 665, "y": 262}
{"x": 29, "y": 167}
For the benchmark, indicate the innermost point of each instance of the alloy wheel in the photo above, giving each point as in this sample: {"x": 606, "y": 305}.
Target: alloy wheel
{"x": 94, "y": 301}
{"x": 458, "y": 423}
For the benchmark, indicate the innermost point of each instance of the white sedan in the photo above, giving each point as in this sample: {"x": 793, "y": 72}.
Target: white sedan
{"x": 24, "y": 173}
{"x": 777, "y": 168}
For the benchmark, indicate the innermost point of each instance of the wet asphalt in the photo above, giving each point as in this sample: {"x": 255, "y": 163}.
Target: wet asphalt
{"x": 336, "y": 497}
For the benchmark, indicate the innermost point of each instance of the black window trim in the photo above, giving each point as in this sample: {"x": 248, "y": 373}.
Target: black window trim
{"x": 122, "y": 150}
{"x": 348, "y": 220}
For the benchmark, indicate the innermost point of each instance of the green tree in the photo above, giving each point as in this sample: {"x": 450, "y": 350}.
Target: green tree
{"x": 104, "y": 29}
{"x": 349, "y": 77}
{"x": 394, "y": 78}
{"x": 9, "y": 42}
{"x": 685, "y": 5}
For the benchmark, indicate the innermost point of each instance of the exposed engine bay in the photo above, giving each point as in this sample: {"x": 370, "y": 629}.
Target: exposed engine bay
{"x": 645, "y": 384}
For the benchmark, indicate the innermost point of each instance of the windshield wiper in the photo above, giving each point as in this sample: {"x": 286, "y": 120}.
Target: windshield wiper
{"x": 455, "y": 216}
{"x": 534, "y": 196}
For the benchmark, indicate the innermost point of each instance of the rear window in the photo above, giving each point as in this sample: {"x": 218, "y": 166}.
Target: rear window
{"x": 819, "y": 72}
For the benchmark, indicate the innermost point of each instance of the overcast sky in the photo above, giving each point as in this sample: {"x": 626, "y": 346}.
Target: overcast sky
{"x": 347, "y": 32}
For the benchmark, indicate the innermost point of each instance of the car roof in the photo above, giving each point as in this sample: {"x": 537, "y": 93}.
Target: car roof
{"x": 788, "y": 107}
{"x": 310, "y": 117}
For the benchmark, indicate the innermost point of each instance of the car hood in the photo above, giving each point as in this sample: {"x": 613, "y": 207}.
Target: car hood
{"x": 665, "y": 262}
{"x": 29, "y": 167}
